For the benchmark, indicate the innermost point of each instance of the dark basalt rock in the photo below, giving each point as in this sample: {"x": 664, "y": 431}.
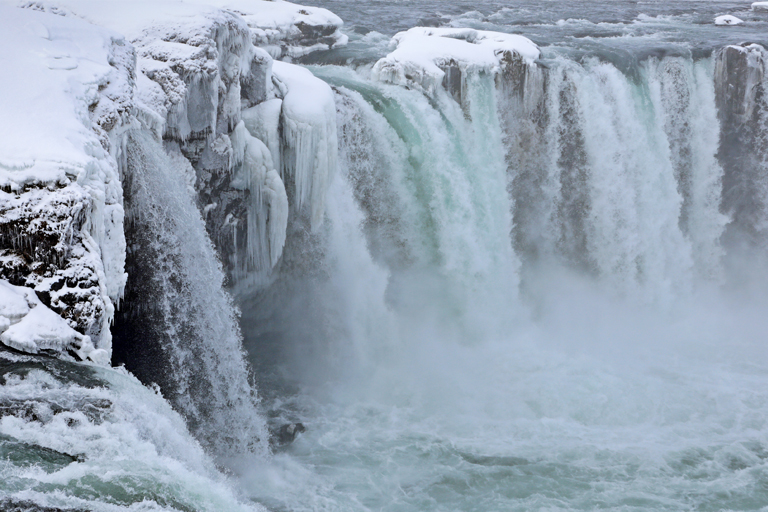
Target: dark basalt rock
{"x": 286, "y": 434}
{"x": 742, "y": 106}
{"x": 11, "y": 505}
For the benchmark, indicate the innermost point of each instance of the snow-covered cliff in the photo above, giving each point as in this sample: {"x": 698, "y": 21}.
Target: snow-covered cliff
{"x": 61, "y": 213}
{"x": 185, "y": 73}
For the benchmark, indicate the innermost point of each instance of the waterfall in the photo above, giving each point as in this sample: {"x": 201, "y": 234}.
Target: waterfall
{"x": 617, "y": 175}
{"x": 181, "y": 327}
{"x": 431, "y": 180}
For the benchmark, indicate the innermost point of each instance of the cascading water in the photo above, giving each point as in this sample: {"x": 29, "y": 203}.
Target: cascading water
{"x": 618, "y": 175}
{"x": 556, "y": 335}
{"x": 184, "y": 322}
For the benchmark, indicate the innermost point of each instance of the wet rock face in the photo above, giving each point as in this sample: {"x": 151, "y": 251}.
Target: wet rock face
{"x": 286, "y": 434}
{"x": 740, "y": 87}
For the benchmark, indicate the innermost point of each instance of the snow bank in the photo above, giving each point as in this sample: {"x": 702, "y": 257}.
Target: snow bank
{"x": 286, "y": 29}
{"x": 61, "y": 216}
{"x": 28, "y": 325}
{"x": 727, "y": 19}
{"x": 760, "y": 6}
{"x": 423, "y": 55}
{"x": 309, "y": 138}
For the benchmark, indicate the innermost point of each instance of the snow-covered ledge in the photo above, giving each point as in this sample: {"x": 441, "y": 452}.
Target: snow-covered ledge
{"x": 286, "y": 29}
{"x": 427, "y": 58}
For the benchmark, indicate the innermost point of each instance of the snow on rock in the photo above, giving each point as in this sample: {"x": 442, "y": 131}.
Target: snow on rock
{"x": 268, "y": 210}
{"x": 197, "y": 68}
{"x": 26, "y": 324}
{"x": 61, "y": 215}
{"x": 760, "y": 6}
{"x": 197, "y": 54}
{"x": 427, "y": 58}
{"x": 309, "y": 138}
{"x": 727, "y": 19}
{"x": 286, "y": 29}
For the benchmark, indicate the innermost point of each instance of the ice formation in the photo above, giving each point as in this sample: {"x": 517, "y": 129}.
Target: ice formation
{"x": 428, "y": 58}
{"x": 268, "y": 210}
{"x": 263, "y": 122}
{"x": 728, "y": 19}
{"x": 760, "y": 6}
{"x": 309, "y": 138}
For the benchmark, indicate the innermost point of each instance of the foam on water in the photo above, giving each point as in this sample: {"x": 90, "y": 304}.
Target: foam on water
{"x": 77, "y": 436}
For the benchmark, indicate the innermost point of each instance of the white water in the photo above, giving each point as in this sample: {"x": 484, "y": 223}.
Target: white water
{"x": 134, "y": 452}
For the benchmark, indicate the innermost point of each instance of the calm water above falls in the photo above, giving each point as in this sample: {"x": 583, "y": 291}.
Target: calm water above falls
{"x": 528, "y": 305}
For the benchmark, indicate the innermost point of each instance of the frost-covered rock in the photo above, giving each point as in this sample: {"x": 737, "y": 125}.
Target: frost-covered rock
{"x": 286, "y": 29}
{"x": 61, "y": 216}
{"x": 26, "y": 324}
{"x": 427, "y": 58}
{"x": 727, "y": 20}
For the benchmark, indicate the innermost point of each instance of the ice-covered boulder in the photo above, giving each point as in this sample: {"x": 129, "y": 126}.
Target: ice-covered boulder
{"x": 428, "y": 58}
{"x": 67, "y": 91}
{"x": 286, "y": 29}
{"x": 727, "y": 20}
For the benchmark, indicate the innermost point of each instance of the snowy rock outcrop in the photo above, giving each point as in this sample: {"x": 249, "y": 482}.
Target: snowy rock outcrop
{"x": 728, "y": 20}
{"x": 28, "y": 325}
{"x": 61, "y": 214}
{"x": 288, "y": 30}
{"x": 255, "y": 139}
{"x": 427, "y": 58}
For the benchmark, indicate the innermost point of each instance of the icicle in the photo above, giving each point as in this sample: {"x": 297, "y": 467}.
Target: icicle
{"x": 268, "y": 209}
{"x": 310, "y": 151}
